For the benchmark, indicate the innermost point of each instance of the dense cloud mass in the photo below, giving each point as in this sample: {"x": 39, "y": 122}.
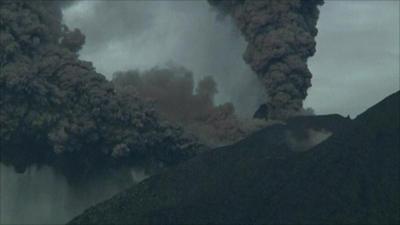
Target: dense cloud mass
{"x": 175, "y": 97}
{"x": 55, "y": 109}
{"x": 280, "y": 36}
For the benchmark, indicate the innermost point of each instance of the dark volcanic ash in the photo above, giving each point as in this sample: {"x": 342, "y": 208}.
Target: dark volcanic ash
{"x": 56, "y": 110}
{"x": 281, "y": 37}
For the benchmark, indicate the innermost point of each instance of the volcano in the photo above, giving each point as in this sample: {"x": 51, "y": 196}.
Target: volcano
{"x": 284, "y": 174}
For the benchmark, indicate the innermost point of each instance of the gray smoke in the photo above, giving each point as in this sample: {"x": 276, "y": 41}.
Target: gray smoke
{"x": 280, "y": 36}
{"x": 126, "y": 35}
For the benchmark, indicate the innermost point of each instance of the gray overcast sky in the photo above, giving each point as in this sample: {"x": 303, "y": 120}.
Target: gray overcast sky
{"x": 356, "y": 64}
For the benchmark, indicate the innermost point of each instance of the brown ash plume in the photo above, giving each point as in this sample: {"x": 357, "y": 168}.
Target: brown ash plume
{"x": 176, "y": 98}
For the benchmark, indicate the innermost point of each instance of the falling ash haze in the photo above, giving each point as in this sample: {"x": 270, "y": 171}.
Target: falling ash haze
{"x": 43, "y": 196}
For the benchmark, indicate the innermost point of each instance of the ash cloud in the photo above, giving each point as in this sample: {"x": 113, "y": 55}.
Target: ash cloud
{"x": 57, "y": 110}
{"x": 281, "y": 37}
{"x": 173, "y": 92}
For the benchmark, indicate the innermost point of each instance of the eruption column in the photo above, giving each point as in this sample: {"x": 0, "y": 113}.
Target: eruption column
{"x": 281, "y": 37}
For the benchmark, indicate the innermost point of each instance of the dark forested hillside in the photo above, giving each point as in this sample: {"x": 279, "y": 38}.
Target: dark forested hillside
{"x": 285, "y": 173}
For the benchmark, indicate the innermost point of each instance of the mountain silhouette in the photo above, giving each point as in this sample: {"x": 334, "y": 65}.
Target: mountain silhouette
{"x": 309, "y": 170}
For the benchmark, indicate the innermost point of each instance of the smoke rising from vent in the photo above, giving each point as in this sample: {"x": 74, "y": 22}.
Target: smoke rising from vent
{"x": 280, "y": 36}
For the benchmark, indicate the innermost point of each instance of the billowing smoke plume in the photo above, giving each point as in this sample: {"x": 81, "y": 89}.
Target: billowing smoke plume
{"x": 280, "y": 36}
{"x": 56, "y": 110}
{"x": 175, "y": 97}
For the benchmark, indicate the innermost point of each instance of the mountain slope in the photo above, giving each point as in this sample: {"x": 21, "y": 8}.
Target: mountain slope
{"x": 389, "y": 107}
{"x": 351, "y": 177}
